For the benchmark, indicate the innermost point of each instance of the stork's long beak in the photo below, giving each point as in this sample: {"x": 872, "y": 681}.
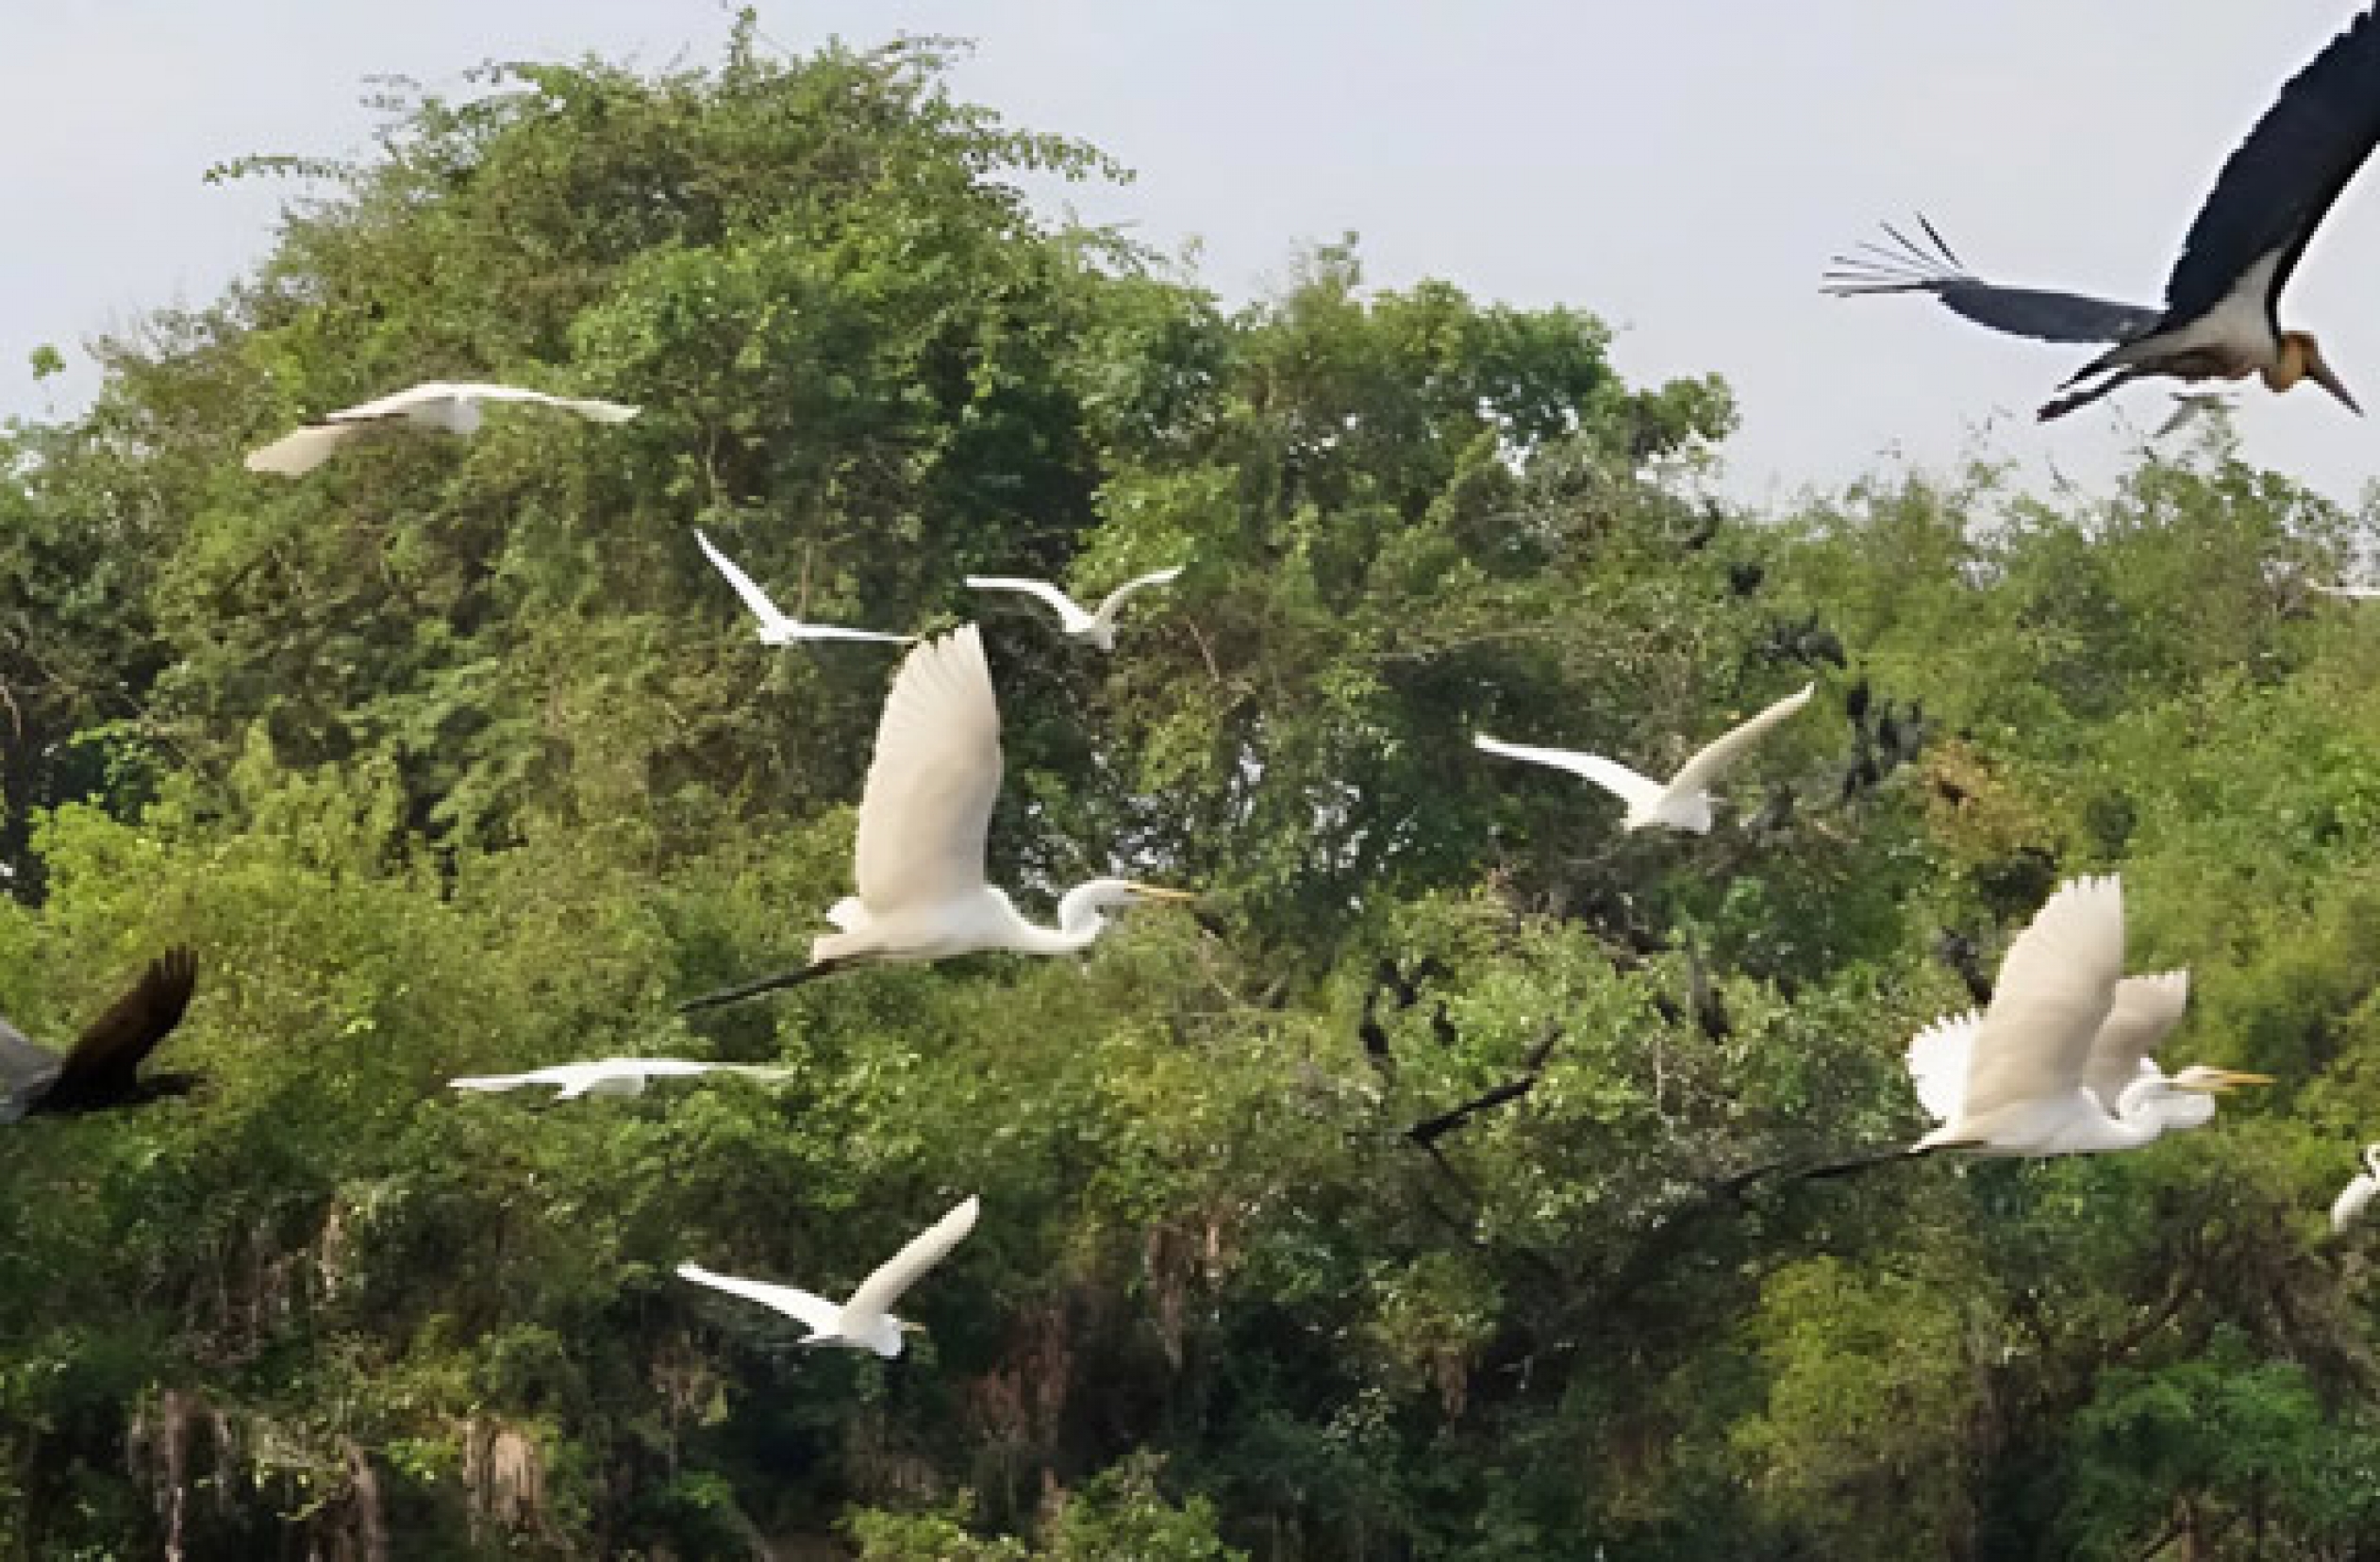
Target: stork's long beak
{"x": 1159, "y": 892}
{"x": 2319, "y": 372}
{"x": 2231, "y": 1079}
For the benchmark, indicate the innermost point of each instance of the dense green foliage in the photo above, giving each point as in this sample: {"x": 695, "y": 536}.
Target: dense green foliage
{"x": 456, "y": 757}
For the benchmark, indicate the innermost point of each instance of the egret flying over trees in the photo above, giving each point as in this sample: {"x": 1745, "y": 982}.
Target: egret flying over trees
{"x": 1681, "y": 802}
{"x": 1098, "y": 626}
{"x": 438, "y": 407}
{"x": 2028, "y": 1086}
{"x": 775, "y": 627}
{"x": 2221, "y": 314}
{"x": 2142, "y": 1012}
{"x": 2356, "y": 1196}
{"x": 923, "y": 821}
{"x": 611, "y": 1076}
{"x": 2190, "y": 405}
{"x": 103, "y": 1069}
{"x": 865, "y": 1323}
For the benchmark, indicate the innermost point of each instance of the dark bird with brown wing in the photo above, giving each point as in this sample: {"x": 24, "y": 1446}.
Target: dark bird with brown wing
{"x": 2221, "y": 318}
{"x": 103, "y": 1069}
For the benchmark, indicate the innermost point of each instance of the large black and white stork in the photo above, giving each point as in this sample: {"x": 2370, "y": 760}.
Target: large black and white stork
{"x": 104, "y": 1067}
{"x": 2222, "y": 315}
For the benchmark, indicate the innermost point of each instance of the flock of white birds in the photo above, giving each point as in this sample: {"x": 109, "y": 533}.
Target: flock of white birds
{"x": 2057, "y": 1063}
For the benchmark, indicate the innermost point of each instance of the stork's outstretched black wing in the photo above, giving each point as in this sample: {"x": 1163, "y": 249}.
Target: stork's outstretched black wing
{"x": 103, "y": 1068}
{"x": 2280, "y": 183}
{"x": 1905, "y": 265}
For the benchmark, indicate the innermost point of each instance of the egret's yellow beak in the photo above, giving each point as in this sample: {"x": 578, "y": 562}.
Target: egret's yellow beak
{"x": 1159, "y": 892}
{"x": 2209, "y": 1080}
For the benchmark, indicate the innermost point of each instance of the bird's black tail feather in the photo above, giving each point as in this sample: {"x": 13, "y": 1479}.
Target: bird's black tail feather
{"x": 809, "y": 972}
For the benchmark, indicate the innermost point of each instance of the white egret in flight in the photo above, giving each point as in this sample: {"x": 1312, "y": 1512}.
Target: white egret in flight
{"x": 2143, "y": 1011}
{"x": 865, "y": 1323}
{"x": 775, "y": 627}
{"x": 1683, "y": 801}
{"x": 924, "y": 819}
{"x": 2356, "y": 1196}
{"x": 2189, "y": 406}
{"x": 611, "y": 1076}
{"x": 441, "y": 407}
{"x": 1098, "y": 627}
{"x": 2026, "y": 1087}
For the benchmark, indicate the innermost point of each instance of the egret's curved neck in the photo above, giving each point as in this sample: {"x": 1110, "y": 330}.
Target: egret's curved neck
{"x": 1079, "y": 925}
{"x": 2141, "y": 1110}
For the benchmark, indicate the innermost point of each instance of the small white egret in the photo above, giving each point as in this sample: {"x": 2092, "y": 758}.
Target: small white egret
{"x": 2189, "y": 406}
{"x": 611, "y": 1076}
{"x": 2356, "y": 1196}
{"x": 2024, "y": 1091}
{"x": 1099, "y": 627}
{"x": 865, "y": 1323}
{"x": 924, "y": 819}
{"x": 1683, "y": 803}
{"x": 439, "y": 406}
{"x": 775, "y": 627}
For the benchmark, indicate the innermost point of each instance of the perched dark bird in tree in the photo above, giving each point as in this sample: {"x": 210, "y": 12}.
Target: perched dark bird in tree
{"x": 103, "y": 1069}
{"x": 2222, "y": 315}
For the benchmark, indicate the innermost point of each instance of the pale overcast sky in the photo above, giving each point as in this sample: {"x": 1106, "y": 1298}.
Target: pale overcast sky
{"x": 1681, "y": 168}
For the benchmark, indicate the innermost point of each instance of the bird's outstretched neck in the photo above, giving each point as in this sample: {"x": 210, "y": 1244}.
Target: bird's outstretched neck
{"x": 795, "y": 977}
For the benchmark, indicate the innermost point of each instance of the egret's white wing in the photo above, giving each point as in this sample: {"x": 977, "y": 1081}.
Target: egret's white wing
{"x": 1698, "y": 773}
{"x": 1139, "y": 583}
{"x": 2352, "y": 1200}
{"x": 819, "y": 1315}
{"x": 26, "y": 1068}
{"x": 1068, "y": 611}
{"x": 931, "y": 785}
{"x": 300, "y": 451}
{"x": 746, "y": 588}
{"x": 588, "y": 408}
{"x": 929, "y": 1247}
{"x": 1637, "y": 791}
{"x": 1939, "y": 1060}
{"x": 2145, "y": 1010}
{"x": 836, "y": 632}
{"x": 2353, "y": 593}
{"x": 560, "y": 1073}
{"x": 401, "y": 404}
{"x": 414, "y": 398}
{"x": 2057, "y": 983}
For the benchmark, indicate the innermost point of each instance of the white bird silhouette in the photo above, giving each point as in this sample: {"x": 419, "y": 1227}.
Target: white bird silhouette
{"x": 1682, "y": 803}
{"x": 2189, "y": 406}
{"x": 2356, "y": 1196}
{"x": 923, "y": 821}
{"x": 1097, "y": 627}
{"x": 775, "y": 627}
{"x": 439, "y": 406}
{"x": 865, "y": 1323}
{"x": 611, "y": 1076}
